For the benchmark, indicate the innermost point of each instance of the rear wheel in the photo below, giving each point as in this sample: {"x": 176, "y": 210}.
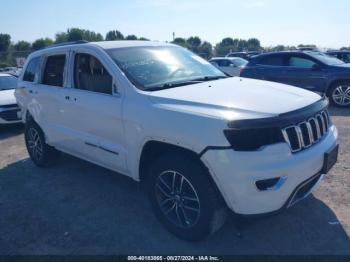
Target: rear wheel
{"x": 183, "y": 198}
{"x": 339, "y": 94}
{"x": 40, "y": 153}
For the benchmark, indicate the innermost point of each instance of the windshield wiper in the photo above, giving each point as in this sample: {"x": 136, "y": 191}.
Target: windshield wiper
{"x": 171, "y": 85}
{"x": 209, "y": 78}
{"x": 183, "y": 83}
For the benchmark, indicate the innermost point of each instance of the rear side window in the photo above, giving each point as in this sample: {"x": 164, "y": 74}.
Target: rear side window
{"x": 32, "y": 68}
{"x": 272, "y": 60}
{"x": 301, "y": 62}
{"x": 91, "y": 75}
{"x": 54, "y": 70}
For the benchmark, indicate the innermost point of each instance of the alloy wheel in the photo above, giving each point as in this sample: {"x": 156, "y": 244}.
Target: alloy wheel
{"x": 177, "y": 199}
{"x": 34, "y": 143}
{"x": 341, "y": 95}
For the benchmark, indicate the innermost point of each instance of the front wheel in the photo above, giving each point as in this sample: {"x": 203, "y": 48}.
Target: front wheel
{"x": 183, "y": 198}
{"x": 339, "y": 94}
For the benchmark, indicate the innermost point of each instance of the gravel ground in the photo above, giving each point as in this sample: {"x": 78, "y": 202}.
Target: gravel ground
{"x": 75, "y": 207}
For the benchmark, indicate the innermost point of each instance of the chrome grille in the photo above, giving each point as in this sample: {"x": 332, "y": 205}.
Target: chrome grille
{"x": 305, "y": 134}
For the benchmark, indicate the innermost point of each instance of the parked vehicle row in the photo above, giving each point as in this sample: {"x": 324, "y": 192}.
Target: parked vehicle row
{"x": 312, "y": 70}
{"x": 199, "y": 141}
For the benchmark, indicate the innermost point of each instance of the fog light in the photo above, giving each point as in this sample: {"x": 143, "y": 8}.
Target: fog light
{"x": 270, "y": 184}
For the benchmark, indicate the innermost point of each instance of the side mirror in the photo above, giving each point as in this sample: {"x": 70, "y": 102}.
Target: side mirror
{"x": 316, "y": 67}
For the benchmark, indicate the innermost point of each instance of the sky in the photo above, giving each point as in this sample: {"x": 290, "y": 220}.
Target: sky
{"x": 321, "y": 22}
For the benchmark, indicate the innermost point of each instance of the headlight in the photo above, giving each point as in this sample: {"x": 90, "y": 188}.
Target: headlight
{"x": 253, "y": 139}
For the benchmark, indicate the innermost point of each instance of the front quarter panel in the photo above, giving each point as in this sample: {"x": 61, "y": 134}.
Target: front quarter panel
{"x": 148, "y": 121}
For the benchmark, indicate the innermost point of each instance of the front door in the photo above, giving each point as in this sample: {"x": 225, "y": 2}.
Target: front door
{"x": 94, "y": 114}
{"x": 306, "y": 73}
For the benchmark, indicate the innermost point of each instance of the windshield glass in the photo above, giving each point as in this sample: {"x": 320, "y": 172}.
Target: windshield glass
{"x": 326, "y": 59}
{"x": 8, "y": 82}
{"x": 153, "y": 68}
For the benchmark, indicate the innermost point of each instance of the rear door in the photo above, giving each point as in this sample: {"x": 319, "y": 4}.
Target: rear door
{"x": 303, "y": 71}
{"x": 271, "y": 68}
{"x": 93, "y": 111}
{"x": 46, "y": 102}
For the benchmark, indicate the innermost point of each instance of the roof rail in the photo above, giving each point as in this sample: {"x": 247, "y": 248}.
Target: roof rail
{"x": 68, "y": 43}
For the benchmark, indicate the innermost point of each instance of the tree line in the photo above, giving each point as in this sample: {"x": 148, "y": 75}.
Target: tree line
{"x": 9, "y": 51}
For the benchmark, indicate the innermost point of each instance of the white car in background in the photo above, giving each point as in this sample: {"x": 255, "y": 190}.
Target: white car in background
{"x": 229, "y": 65}
{"x": 8, "y": 106}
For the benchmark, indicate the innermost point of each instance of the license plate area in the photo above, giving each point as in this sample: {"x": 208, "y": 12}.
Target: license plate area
{"x": 330, "y": 158}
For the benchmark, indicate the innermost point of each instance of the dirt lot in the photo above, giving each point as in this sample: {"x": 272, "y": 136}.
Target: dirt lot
{"x": 78, "y": 208}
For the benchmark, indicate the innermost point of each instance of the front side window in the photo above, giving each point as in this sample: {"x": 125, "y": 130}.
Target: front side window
{"x": 54, "y": 70}
{"x": 301, "y": 62}
{"x": 31, "y": 70}
{"x": 7, "y": 82}
{"x": 154, "y": 68}
{"x": 272, "y": 60}
{"x": 90, "y": 75}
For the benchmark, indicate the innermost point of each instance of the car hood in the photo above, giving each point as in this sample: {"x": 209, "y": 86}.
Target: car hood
{"x": 235, "y": 98}
{"x": 7, "y": 97}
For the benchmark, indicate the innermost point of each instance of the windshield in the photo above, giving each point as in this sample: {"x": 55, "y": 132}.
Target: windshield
{"x": 8, "y": 82}
{"x": 326, "y": 59}
{"x": 154, "y": 68}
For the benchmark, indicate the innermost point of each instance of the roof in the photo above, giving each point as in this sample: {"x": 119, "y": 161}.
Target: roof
{"x": 102, "y": 44}
{"x": 289, "y": 52}
{"x": 126, "y": 43}
{"x": 338, "y": 51}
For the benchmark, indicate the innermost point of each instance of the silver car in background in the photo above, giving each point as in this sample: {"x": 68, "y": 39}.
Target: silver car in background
{"x": 229, "y": 65}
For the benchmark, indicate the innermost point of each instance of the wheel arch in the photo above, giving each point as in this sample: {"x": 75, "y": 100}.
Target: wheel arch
{"x": 334, "y": 82}
{"x": 153, "y": 149}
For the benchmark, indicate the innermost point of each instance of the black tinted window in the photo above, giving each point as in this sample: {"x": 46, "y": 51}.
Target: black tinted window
{"x": 31, "y": 69}
{"x": 90, "y": 75}
{"x": 301, "y": 62}
{"x": 54, "y": 70}
{"x": 272, "y": 60}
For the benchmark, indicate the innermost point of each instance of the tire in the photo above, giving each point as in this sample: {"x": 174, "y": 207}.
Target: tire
{"x": 196, "y": 210}
{"x": 339, "y": 94}
{"x": 40, "y": 153}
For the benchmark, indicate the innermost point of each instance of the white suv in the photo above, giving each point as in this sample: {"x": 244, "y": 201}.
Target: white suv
{"x": 200, "y": 141}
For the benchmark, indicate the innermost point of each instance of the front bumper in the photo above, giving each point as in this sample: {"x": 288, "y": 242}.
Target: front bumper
{"x": 235, "y": 174}
{"x": 10, "y": 115}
